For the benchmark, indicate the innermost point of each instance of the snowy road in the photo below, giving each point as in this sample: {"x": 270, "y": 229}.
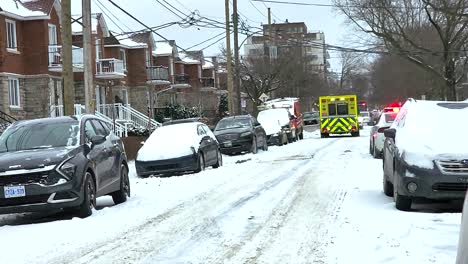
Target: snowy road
{"x": 313, "y": 201}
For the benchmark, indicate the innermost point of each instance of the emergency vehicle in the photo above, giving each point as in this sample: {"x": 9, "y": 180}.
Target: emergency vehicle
{"x": 338, "y": 115}
{"x": 295, "y": 130}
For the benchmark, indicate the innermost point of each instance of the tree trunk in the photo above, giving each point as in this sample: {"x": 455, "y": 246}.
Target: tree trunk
{"x": 450, "y": 89}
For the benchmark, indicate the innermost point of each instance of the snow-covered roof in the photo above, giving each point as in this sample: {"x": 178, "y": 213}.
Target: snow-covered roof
{"x": 131, "y": 42}
{"x": 208, "y": 63}
{"x": 96, "y": 21}
{"x": 163, "y": 48}
{"x": 186, "y": 59}
{"x": 18, "y": 10}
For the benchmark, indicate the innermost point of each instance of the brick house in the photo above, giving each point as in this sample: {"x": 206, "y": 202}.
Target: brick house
{"x": 29, "y": 32}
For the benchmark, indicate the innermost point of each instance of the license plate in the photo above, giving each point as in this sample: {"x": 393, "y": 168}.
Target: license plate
{"x": 228, "y": 144}
{"x": 14, "y": 191}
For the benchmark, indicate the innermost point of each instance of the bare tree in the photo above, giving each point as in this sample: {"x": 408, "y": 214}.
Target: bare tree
{"x": 349, "y": 63}
{"x": 431, "y": 34}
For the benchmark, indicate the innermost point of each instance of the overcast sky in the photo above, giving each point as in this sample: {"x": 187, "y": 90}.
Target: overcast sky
{"x": 150, "y": 12}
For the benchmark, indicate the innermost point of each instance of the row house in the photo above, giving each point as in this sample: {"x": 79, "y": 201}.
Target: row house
{"x": 30, "y": 63}
{"x": 193, "y": 76}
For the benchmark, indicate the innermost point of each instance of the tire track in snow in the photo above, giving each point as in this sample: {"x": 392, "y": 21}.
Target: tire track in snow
{"x": 157, "y": 234}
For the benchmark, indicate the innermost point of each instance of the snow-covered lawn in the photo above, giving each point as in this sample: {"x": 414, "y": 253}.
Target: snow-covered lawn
{"x": 370, "y": 230}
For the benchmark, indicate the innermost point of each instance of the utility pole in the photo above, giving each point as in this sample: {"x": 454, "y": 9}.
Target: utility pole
{"x": 90, "y": 101}
{"x": 237, "y": 83}
{"x": 228, "y": 60}
{"x": 67, "y": 63}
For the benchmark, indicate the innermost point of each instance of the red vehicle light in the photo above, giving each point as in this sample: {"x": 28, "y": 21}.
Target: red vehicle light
{"x": 374, "y": 135}
{"x": 324, "y": 129}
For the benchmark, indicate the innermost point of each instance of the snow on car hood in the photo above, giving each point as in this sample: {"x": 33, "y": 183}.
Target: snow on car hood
{"x": 273, "y": 119}
{"x": 431, "y": 130}
{"x": 169, "y": 142}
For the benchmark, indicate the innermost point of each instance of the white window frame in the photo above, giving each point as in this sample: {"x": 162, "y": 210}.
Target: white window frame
{"x": 147, "y": 57}
{"x": 123, "y": 58}
{"x": 99, "y": 53}
{"x": 54, "y": 32}
{"x": 14, "y": 93}
{"x": 9, "y": 39}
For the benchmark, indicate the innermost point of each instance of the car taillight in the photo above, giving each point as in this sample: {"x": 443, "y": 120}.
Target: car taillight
{"x": 382, "y": 129}
{"x": 324, "y": 129}
{"x": 374, "y": 135}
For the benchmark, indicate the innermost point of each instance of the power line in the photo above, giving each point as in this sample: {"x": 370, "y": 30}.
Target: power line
{"x": 271, "y": 11}
{"x": 203, "y": 42}
{"x": 170, "y": 10}
{"x": 256, "y": 8}
{"x": 102, "y": 7}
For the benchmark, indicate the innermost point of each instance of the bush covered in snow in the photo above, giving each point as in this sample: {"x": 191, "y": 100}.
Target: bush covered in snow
{"x": 3, "y": 126}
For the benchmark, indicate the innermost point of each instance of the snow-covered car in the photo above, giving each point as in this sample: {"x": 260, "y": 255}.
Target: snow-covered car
{"x": 424, "y": 159}
{"x": 178, "y": 148}
{"x": 310, "y": 118}
{"x": 364, "y": 119}
{"x": 462, "y": 254}
{"x": 377, "y": 136}
{"x": 63, "y": 162}
{"x": 275, "y": 123}
{"x": 237, "y": 134}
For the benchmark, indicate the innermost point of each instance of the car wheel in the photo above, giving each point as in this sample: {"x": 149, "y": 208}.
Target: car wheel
{"x": 219, "y": 162}
{"x": 375, "y": 153}
{"x": 201, "y": 163}
{"x": 402, "y": 203}
{"x": 265, "y": 144}
{"x": 387, "y": 187}
{"x": 121, "y": 195}
{"x": 89, "y": 197}
{"x": 301, "y": 135}
{"x": 370, "y": 147}
{"x": 254, "y": 148}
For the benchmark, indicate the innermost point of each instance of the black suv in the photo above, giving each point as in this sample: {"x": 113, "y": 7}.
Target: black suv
{"x": 61, "y": 163}
{"x": 242, "y": 133}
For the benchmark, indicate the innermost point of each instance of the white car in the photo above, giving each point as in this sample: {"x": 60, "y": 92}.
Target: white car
{"x": 364, "y": 118}
{"x": 377, "y": 137}
{"x": 276, "y": 123}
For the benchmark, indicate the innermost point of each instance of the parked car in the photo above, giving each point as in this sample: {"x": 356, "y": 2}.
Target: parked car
{"x": 178, "y": 148}
{"x": 58, "y": 163}
{"x": 310, "y": 118}
{"x": 296, "y": 125}
{"x": 275, "y": 122}
{"x": 242, "y": 133}
{"x": 462, "y": 255}
{"x": 377, "y": 136}
{"x": 364, "y": 119}
{"x": 423, "y": 160}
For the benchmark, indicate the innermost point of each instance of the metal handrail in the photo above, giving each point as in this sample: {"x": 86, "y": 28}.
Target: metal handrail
{"x": 7, "y": 118}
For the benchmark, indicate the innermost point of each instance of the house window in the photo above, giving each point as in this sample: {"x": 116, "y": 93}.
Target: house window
{"x": 98, "y": 50}
{"x": 52, "y": 35}
{"x": 11, "y": 35}
{"x": 123, "y": 58}
{"x": 14, "y": 92}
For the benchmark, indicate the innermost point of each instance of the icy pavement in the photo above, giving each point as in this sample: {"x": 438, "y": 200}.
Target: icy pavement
{"x": 313, "y": 201}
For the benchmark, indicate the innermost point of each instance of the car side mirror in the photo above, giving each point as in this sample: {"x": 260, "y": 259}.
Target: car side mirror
{"x": 98, "y": 139}
{"x": 390, "y": 133}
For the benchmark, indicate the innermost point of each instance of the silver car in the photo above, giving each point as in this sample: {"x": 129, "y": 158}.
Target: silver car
{"x": 462, "y": 256}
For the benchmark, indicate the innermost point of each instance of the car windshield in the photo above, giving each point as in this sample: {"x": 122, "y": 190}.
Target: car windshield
{"x": 310, "y": 115}
{"x": 39, "y": 135}
{"x": 233, "y": 123}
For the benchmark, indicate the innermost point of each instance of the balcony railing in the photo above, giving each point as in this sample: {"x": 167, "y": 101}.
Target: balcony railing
{"x": 207, "y": 82}
{"x": 55, "y": 56}
{"x": 157, "y": 73}
{"x": 182, "y": 79}
{"x": 110, "y": 68}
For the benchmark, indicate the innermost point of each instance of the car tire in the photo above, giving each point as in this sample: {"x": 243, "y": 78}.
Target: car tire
{"x": 89, "y": 197}
{"x": 219, "y": 162}
{"x": 387, "y": 187}
{"x": 324, "y": 135}
{"x": 402, "y": 203}
{"x": 121, "y": 195}
{"x": 265, "y": 145}
{"x": 254, "y": 147}
{"x": 370, "y": 147}
{"x": 200, "y": 163}
{"x": 375, "y": 154}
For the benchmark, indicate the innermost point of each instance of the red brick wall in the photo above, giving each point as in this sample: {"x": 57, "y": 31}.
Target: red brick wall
{"x": 192, "y": 71}
{"x": 11, "y": 62}
{"x": 136, "y": 67}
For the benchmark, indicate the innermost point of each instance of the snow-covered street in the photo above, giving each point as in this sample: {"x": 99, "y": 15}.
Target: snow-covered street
{"x": 312, "y": 201}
